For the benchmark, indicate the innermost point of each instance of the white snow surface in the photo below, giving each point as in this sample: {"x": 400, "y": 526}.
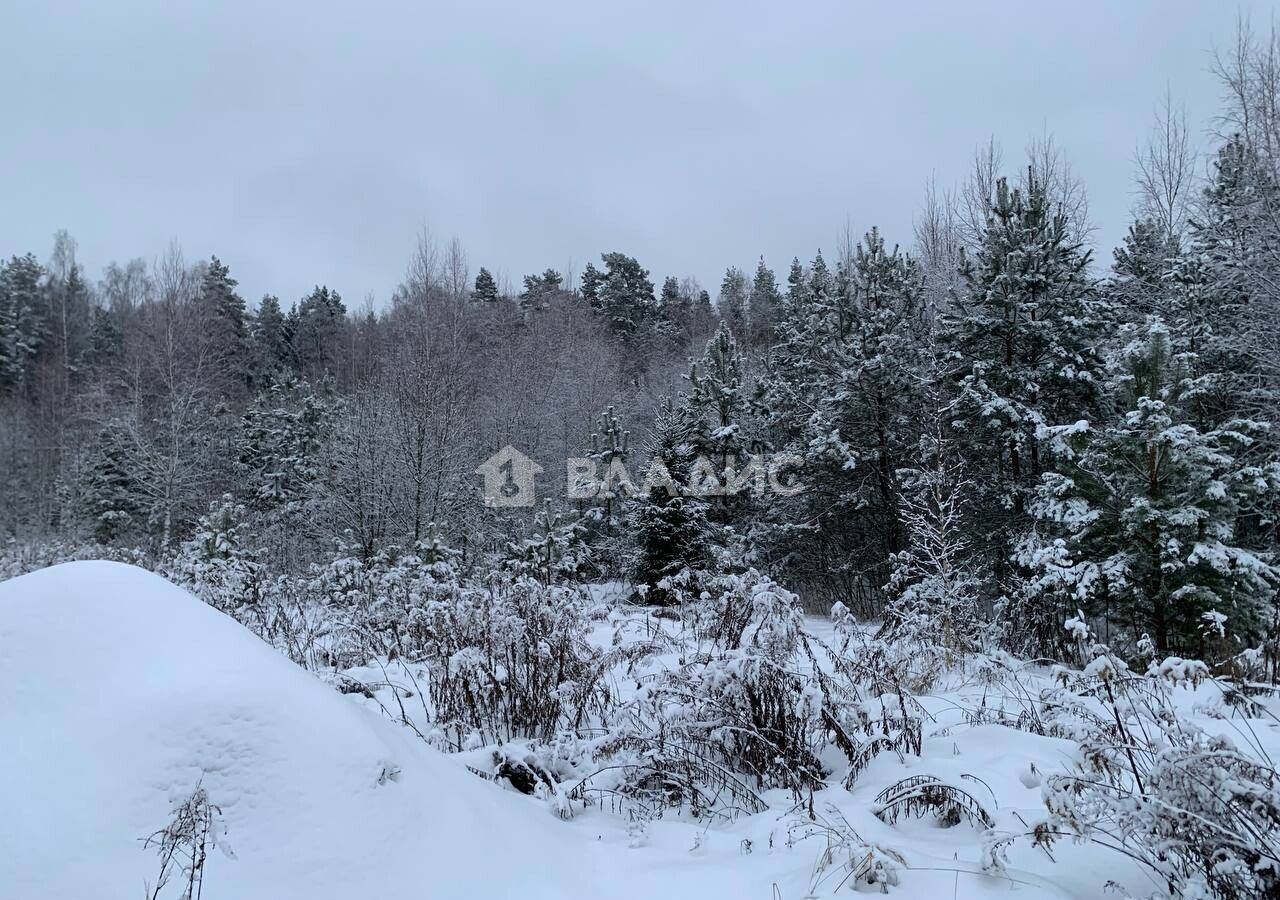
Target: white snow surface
{"x": 120, "y": 692}
{"x": 153, "y": 691}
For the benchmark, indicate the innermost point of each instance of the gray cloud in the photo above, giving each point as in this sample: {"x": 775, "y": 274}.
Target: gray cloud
{"x": 308, "y": 142}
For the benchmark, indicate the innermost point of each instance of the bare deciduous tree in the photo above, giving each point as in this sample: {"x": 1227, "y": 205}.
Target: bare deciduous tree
{"x": 938, "y": 242}
{"x": 1165, "y": 169}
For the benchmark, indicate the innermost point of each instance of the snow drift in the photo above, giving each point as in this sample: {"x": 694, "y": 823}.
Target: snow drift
{"x": 122, "y": 693}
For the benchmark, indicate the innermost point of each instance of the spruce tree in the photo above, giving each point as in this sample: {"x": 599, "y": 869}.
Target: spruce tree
{"x": 934, "y": 588}
{"x": 219, "y": 562}
{"x": 486, "y": 288}
{"x": 703, "y": 317}
{"x": 112, "y": 499}
{"x": 610, "y": 449}
{"x": 589, "y": 287}
{"x": 821, "y": 285}
{"x": 555, "y": 550}
{"x": 797, "y": 290}
{"x": 281, "y": 442}
{"x": 671, "y": 296}
{"x": 670, "y": 528}
{"x": 676, "y": 307}
{"x": 106, "y": 344}
{"x": 1142, "y": 264}
{"x": 719, "y": 395}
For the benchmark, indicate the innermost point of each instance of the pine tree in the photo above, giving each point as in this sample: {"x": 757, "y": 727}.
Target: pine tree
{"x": 842, "y": 392}
{"x": 318, "y": 327}
{"x": 670, "y": 529}
{"x": 1142, "y": 263}
{"x": 1140, "y": 523}
{"x": 106, "y": 343}
{"x": 540, "y": 290}
{"x": 111, "y": 498}
{"x": 272, "y": 352}
{"x": 1226, "y": 310}
{"x": 281, "y": 442}
{"x": 762, "y": 306}
{"x": 486, "y": 288}
{"x": 719, "y": 396}
{"x": 23, "y": 325}
{"x": 1227, "y": 313}
{"x": 225, "y": 328}
{"x": 623, "y": 294}
{"x": 1027, "y": 338}
{"x": 732, "y": 302}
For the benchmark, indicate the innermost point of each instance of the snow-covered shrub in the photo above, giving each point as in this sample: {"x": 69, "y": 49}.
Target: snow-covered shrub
{"x": 932, "y": 621}
{"x": 919, "y": 796}
{"x": 643, "y": 767}
{"x": 508, "y": 660}
{"x": 505, "y": 660}
{"x": 1198, "y": 809}
{"x": 747, "y": 709}
{"x": 867, "y": 706}
{"x": 554, "y": 552}
{"x": 740, "y": 714}
{"x": 290, "y": 618}
{"x": 183, "y": 845}
{"x": 19, "y": 558}
{"x": 726, "y": 609}
{"x": 388, "y": 594}
{"x": 847, "y": 858}
{"x": 539, "y": 770}
{"x": 219, "y": 563}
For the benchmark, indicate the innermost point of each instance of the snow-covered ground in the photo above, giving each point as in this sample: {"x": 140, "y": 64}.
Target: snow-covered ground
{"x": 122, "y": 693}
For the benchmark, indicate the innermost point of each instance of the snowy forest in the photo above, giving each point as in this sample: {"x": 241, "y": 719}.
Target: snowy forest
{"x": 1011, "y": 616}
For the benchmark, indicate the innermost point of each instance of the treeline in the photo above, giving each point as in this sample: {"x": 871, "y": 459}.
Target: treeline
{"x": 995, "y": 416}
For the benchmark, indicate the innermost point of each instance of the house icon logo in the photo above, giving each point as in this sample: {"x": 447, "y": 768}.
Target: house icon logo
{"x": 508, "y": 478}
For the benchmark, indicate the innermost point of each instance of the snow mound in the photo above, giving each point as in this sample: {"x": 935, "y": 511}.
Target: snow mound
{"x": 122, "y": 692}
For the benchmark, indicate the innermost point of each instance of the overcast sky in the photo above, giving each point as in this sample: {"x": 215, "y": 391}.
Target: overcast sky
{"x": 308, "y": 142}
